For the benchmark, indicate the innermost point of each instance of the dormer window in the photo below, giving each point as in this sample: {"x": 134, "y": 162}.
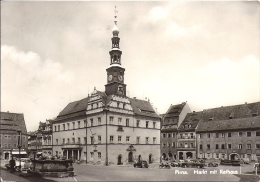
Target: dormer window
{"x": 210, "y": 119}
{"x": 255, "y": 114}
{"x": 231, "y": 115}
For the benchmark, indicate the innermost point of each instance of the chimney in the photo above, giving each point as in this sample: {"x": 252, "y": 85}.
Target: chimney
{"x": 134, "y": 97}
{"x": 7, "y": 111}
{"x": 245, "y": 103}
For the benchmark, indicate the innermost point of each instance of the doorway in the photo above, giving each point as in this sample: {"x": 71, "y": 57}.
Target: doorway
{"x": 119, "y": 160}
{"x": 180, "y": 155}
{"x": 150, "y": 159}
{"x": 130, "y": 157}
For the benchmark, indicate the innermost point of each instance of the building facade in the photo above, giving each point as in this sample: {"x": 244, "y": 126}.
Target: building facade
{"x": 108, "y": 127}
{"x": 186, "y": 147}
{"x": 11, "y": 123}
{"x": 231, "y": 132}
{"x": 169, "y": 130}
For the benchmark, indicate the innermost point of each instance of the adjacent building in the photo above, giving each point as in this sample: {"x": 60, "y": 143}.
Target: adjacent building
{"x": 186, "y": 147}
{"x": 10, "y": 124}
{"x": 171, "y": 120}
{"x": 109, "y": 127}
{"x": 40, "y": 141}
{"x": 230, "y": 132}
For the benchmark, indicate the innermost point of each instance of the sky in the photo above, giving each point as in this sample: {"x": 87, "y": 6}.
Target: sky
{"x": 53, "y": 53}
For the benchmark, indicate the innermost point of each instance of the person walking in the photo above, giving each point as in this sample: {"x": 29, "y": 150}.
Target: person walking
{"x": 12, "y": 164}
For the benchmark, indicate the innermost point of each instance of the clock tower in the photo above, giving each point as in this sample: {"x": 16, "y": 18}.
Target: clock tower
{"x": 115, "y": 73}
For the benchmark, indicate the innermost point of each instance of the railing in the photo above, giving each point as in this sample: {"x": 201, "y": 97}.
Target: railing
{"x": 72, "y": 145}
{"x": 186, "y": 137}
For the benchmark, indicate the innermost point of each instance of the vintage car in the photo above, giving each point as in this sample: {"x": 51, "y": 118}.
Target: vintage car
{"x": 164, "y": 166}
{"x": 141, "y": 164}
{"x": 25, "y": 165}
{"x": 212, "y": 164}
{"x": 175, "y": 164}
{"x": 230, "y": 162}
{"x": 192, "y": 164}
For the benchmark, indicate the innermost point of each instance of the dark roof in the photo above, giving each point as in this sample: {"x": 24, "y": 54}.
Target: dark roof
{"x": 16, "y": 120}
{"x": 233, "y": 124}
{"x": 168, "y": 130}
{"x": 175, "y": 110}
{"x": 75, "y": 106}
{"x": 191, "y": 121}
{"x": 171, "y": 117}
{"x": 142, "y": 107}
{"x": 231, "y": 118}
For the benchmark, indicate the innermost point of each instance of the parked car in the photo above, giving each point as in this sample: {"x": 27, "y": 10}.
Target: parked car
{"x": 164, "y": 166}
{"x": 192, "y": 163}
{"x": 175, "y": 164}
{"x": 246, "y": 160}
{"x": 25, "y": 165}
{"x": 230, "y": 162}
{"x": 141, "y": 164}
{"x": 212, "y": 164}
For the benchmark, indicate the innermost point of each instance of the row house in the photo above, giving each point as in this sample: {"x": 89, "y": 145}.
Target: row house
{"x": 40, "y": 141}
{"x": 171, "y": 120}
{"x": 187, "y": 136}
{"x": 12, "y": 130}
{"x": 231, "y": 132}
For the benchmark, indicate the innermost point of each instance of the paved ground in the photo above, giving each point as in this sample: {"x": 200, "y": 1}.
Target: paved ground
{"x": 89, "y": 172}
{"x": 153, "y": 173}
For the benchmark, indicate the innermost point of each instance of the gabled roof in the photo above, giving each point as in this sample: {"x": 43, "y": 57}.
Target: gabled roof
{"x": 142, "y": 107}
{"x": 75, "y": 106}
{"x": 191, "y": 121}
{"x": 174, "y": 110}
{"x": 16, "y": 120}
{"x": 244, "y": 116}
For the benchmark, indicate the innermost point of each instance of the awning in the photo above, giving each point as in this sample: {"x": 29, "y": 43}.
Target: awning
{"x": 17, "y": 152}
{"x": 39, "y": 153}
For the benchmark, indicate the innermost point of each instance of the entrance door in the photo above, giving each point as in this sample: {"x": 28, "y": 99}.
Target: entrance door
{"x": 119, "y": 160}
{"x": 180, "y": 155}
{"x": 188, "y": 155}
{"x": 150, "y": 158}
{"x": 6, "y": 155}
{"x": 130, "y": 157}
{"x": 234, "y": 156}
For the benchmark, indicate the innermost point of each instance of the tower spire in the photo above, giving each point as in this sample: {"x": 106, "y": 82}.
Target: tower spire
{"x": 115, "y": 15}
{"x": 115, "y": 53}
{"x": 115, "y": 72}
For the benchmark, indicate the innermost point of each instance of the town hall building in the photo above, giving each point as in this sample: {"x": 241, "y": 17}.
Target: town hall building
{"x": 109, "y": 127}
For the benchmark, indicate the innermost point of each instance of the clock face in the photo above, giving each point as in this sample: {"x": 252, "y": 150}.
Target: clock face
{"x": 110, "y": 77}
{"x": 120, "y": 77}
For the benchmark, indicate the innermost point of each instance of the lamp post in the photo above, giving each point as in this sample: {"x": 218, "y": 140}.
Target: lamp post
{"x": 19, "y": 145}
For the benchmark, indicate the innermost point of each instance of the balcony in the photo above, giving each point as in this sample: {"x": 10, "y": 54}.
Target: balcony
{"x": 46, "y": 146}
{"x": 71, "y": 145}
{"x": 186, "y": 148}
{"x": 186, "y": 137}
{"x": 120, "y": 128}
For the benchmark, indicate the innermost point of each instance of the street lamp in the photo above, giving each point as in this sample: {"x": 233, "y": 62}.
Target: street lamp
{"x": 19, "y": 131}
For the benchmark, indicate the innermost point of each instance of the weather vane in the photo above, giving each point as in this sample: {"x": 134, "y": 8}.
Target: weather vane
{"x": 115, "y": 12}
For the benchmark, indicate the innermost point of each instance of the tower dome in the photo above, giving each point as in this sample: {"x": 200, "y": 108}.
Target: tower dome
{"x": 115, "y": 30}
